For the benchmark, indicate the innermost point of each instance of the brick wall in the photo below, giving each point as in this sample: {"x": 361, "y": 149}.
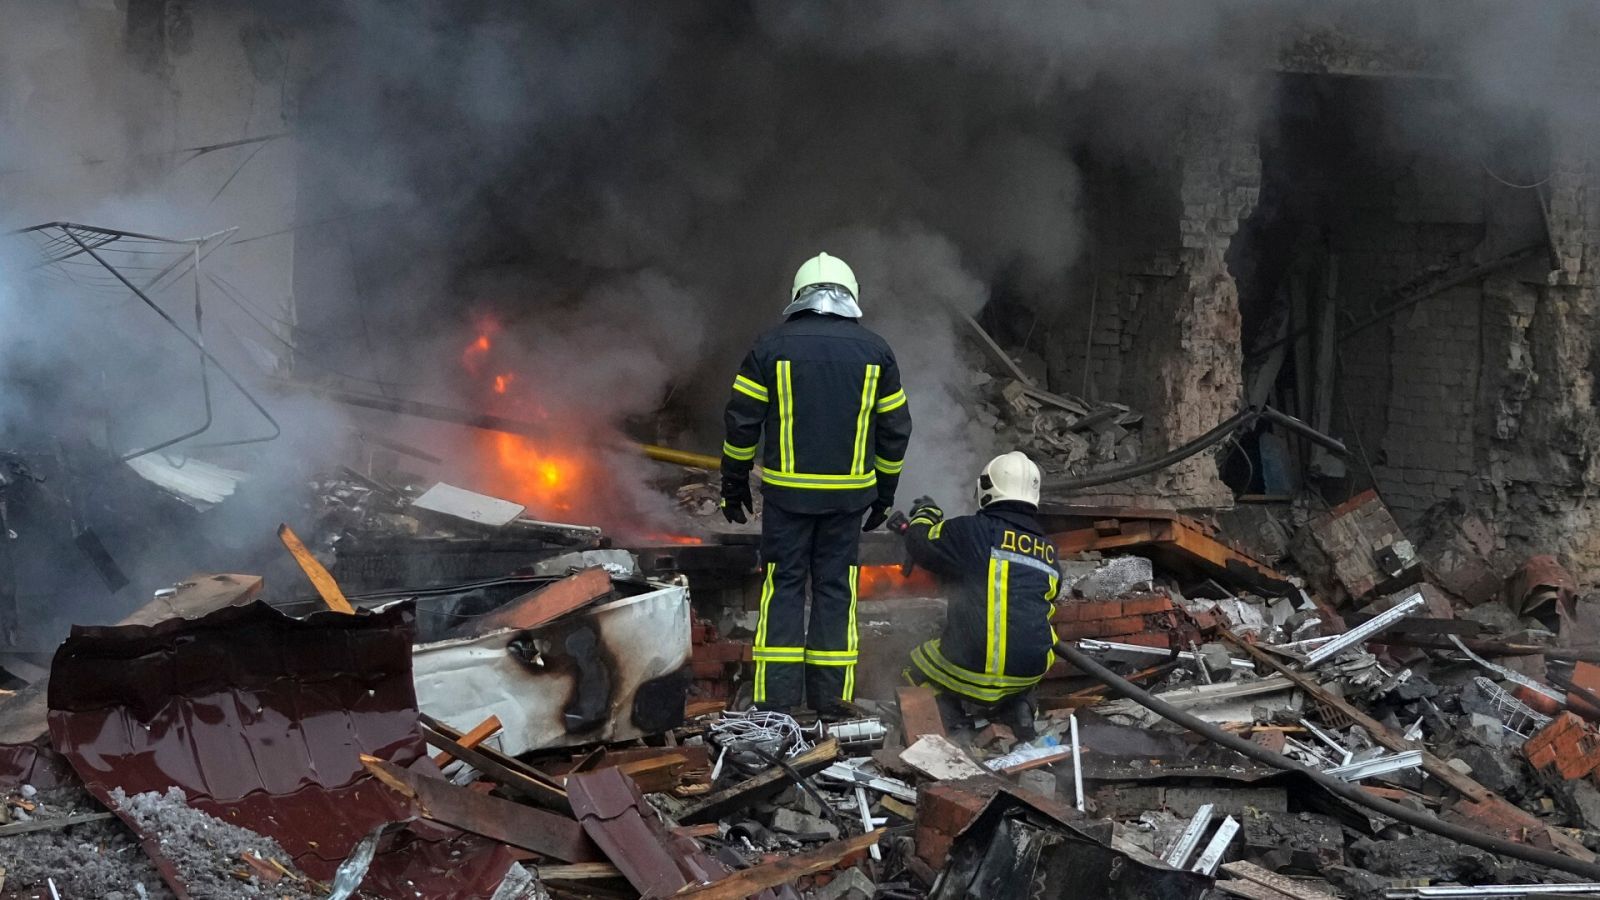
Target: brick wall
{"x": 1430, "y": 445}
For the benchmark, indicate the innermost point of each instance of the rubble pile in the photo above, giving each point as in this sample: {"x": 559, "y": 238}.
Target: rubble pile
{"x": 1215, "y": 726}
{"x": 1064, "y": 435}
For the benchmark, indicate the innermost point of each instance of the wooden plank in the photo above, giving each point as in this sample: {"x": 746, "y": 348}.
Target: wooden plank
{"x": 197, "y": 595}
{"x": 693, "y": 709}
{"x": 50, "y": 824}
{"x": 316, "y": 572}
{"x": 578, "y": 872}
{"x": 480, "y": 733}
{"x": 784, "y": 870}
{"x": 543, "y": 605}
{"x": 506, "y": 821}
{"x": 1084, "y": 540}
{"x": 720, "y": 803}
{"x": 1280, "y": 884}
{"x": 499, "y": 768}
{"x": 1250, "y": 891}
{"x": 919, "y": 713}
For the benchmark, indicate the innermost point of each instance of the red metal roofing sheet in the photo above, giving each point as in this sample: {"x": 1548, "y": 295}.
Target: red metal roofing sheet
{"x": 261, "y": 719}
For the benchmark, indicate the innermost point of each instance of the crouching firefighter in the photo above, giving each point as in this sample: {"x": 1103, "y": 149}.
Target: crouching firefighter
{"x": 822, "y": 395}
{"x": 1001, "y": 571}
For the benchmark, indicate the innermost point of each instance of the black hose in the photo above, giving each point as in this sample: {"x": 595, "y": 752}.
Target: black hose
{"x": 828, "y": 812}
{"x": 1343, "y": 789}
{"x": 1236, "y": 422}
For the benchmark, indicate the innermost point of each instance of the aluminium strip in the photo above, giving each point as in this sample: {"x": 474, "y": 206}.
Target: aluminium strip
{"x": 1383, "y": 765}
{"x": 1510, "y": 675}
{"x": 1121, "y": 652}
{"x": 1077, "y": 762}
{"x": 1365, "y": 630}
{"x": 1326, "y": 738}
{"x": 1208, "y": 861}
{"x": 1589, "y": 888}
{"x": 1178, "y": 856}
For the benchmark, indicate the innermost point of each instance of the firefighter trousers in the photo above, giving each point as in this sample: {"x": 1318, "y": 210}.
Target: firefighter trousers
{"x": 795, "y": 664}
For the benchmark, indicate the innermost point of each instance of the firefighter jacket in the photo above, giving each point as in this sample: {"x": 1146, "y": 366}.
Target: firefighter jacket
{"x": 1003, "y": 580}
{"x": 825, "y": 394}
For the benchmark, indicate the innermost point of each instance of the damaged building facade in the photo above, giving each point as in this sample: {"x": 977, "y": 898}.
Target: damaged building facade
{"x": 426, "y": 315}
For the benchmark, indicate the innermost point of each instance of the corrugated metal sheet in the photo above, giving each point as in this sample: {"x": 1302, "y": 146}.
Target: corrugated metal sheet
{"x": 261, "y": 719}
{"x": 628, "y": 829}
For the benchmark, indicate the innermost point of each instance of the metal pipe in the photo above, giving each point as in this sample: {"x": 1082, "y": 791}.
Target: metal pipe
{"x": 440, "y": 413}
{"x": 1344, "y": 790}
{"x": 1239, "y": 420}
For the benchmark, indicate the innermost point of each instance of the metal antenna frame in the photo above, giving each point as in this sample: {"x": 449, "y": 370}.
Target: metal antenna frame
{"x": 88, "y": 239}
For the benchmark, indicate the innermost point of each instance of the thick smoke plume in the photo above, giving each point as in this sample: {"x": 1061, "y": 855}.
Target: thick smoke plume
{"x": 621, "y": 192}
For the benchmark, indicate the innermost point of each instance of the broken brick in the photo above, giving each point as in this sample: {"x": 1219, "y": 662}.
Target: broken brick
{"x": 1585, "y": 675}
{"x": 1496, "y": 816}
{"x": 919, "y": 713}
{"x": 1276, "y": 741}
{"x": 944, "y": 810}
{"x": 1100, "y": 628}
{"x": 1566, "y": 745}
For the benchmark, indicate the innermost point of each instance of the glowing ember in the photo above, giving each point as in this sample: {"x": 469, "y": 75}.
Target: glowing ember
{"x": 501, "y": 382}
{"x": 472, "y": 357}
{"x": 684, "y": 540}
{"x": 886, "y": 581}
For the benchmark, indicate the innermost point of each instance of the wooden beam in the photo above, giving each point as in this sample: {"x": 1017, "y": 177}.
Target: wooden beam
{"x": 480, "y": 733}
{"x": 50, "y": 824}
{"x": 1280, "y": 884}
{"x": 497, "y": 767}
{"x": 506, "y": 821}
{"x": 783, "y": 870}
{"x": 720, "y": 803}
{"x": 316, "y": 572}
{"x": 543, "y": 605}
{"x": 578, "y": 872}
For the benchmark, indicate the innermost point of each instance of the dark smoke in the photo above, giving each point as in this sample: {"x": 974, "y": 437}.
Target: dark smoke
{"x": 626, "y": 188}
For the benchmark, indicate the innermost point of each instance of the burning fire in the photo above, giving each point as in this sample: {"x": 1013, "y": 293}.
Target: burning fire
{"x": 501, "y": 382}
{"x": 682, "y": 540}
{"x": 886, "y": 581}
{"x": 472, "y": 358}
{"x": 545, "y": 481}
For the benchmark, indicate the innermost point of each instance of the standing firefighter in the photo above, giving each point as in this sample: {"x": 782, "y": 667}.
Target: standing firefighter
{"x": 997, "y": 640}
{"x": 825, "y": 393}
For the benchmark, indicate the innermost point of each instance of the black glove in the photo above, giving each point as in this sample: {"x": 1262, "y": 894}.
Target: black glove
{"x": 736, "y": 500}
{"x": 926, "y": 508}
{"x": 877, "y": 515}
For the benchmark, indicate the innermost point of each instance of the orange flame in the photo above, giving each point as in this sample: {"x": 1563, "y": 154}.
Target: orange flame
{"x": 501, "y": 382}
{"x": 472, "y": 358}
{"x": 682, "y": 540}
{"x": 886, "y": 581}
{"x": 544, "y": 481}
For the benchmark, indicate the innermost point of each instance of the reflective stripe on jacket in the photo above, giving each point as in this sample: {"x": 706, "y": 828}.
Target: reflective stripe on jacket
{"x": 1003, "y": 580}
{"x": 820, "y": 398}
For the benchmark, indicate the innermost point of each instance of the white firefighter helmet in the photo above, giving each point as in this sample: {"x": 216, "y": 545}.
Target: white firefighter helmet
{"x": 825, "y": 284}
{"x": 1009, "y": 476}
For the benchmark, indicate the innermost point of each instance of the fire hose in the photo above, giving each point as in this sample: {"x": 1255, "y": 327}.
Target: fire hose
{"x": 1343, "y": 789}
